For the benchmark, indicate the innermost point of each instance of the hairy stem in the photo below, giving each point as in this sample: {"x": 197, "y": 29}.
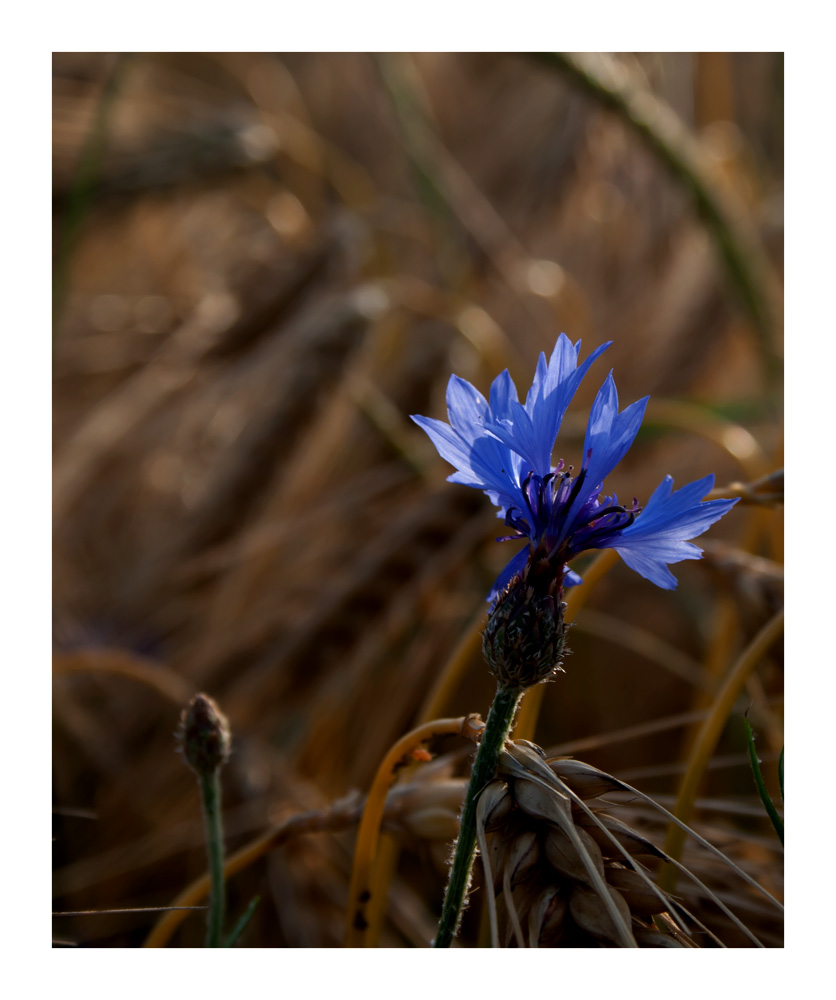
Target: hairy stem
{"x": 497, "y": 727}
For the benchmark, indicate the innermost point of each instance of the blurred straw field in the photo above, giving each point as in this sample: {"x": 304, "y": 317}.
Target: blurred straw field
{"x": 263, "y": 264}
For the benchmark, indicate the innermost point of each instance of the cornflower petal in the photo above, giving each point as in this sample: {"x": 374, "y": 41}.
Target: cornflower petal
{"x": 651, "y": 559}
{"x": 531, "y": 430}
{"x": 660, "y": 533}
{"x": 551, "y": 392}
{"x": 520, "y": 434}
{"x": 609, "y": 433}
{"x": 673, "y": 514}
{"x": 467, "y": 408}
{"x": 500, "y": 470}
{"x": 503, "y": 393}
{"x": 452, "y": 448}
{"x": 481, "y": 461}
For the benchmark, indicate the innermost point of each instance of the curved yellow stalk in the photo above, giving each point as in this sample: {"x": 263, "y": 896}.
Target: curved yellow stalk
{"x": 384, "y": 866}
{"x": 439, "y": 696}
{"x": 360, "y": 892}
{"x": 125, "y": 664}
{"x": 710, "y": 732}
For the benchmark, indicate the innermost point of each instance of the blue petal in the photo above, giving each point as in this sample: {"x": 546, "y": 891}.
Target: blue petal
{"x": 499, "y": 468}
{"x": 651, "y": 558}
{"x": 678, "y": 515}
{"x": 519, "y": 433}
{"x": 466, "y": 408}
{"x": 535, "y": 393}
{"x": 450, "y": 446}
{"x": 515, "y": 566}
{"x": 609, "y": 433}
{"x": 660, "y": 533}
{"x": 531, "y": 430}
{"x": 503, "y": 393}
{"x": 481, "y": 461}
{"x": 691, "y": 493}
{"x": 552, "y": 391}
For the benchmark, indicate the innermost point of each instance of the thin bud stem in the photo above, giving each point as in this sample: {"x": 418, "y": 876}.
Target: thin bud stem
{"x": 210, "y": 791}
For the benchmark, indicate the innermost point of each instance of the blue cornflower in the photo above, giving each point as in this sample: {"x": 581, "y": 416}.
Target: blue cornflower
{"x": 504, "y": 448}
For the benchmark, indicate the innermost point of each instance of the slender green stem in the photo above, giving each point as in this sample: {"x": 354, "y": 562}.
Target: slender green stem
{"x": 760, "y": 784}
{"x": 497, "y": 727}
{"x": 241, "y": 925}
{"x": 210, "y": 790}
{"x": 781, "y": 773}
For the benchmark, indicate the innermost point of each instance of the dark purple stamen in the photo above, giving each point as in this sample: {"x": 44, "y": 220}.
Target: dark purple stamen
{"x": 517, "y": 522}
{"x": 549, "y": 500}
{"x": 608, "y": 529}
{"x": 562, "y": 509}
{"x": 599, "y": 516}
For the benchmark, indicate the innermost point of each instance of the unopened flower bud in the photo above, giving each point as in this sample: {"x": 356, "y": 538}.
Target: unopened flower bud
{"x": 205, "y": 736}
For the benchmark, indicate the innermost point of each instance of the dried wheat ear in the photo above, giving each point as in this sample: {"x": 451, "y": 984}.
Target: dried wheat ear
{"x": 562, "y": 871}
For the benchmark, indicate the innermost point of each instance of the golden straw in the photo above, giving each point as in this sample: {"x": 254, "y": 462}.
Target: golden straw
{"x": 124, "y": 664}
{"x": 710, "y": 732}
{"x": 360, "y": 892}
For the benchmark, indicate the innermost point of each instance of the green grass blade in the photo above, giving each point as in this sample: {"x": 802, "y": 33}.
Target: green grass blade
{"x": 781, "y": 773}
{"x": 772, "y": 812}
{"x": 240, "y": 927}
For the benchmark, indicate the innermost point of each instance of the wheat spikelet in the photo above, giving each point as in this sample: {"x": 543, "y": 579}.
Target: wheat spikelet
{"x": 560, "y": 868}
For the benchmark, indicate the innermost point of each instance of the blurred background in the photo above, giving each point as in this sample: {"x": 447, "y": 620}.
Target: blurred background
{"x": 262, "y": 265}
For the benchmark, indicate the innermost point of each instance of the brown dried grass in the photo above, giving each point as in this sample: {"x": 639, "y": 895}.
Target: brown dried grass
{"x": 277, "y": 264}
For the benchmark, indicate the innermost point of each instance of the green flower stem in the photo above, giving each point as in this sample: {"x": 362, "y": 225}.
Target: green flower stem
{"x": 210, "y": 791}
{"x": 497, "y": 727}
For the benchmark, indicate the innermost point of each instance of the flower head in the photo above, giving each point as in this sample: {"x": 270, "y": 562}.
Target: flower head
{"x": 504, "y": 447}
